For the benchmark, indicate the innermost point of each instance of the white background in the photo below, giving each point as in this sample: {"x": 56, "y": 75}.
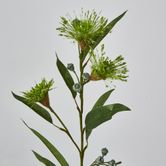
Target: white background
{"x": 28, "y": 40}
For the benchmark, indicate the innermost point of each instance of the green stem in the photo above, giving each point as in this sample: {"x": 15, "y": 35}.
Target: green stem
{"x": 60, "y": 128}
{"x": 81, "y": 119}
{"x": 78, "y": 108}
{"x": 87, "y": 61}
{"x": 76, "y": 76}
{"x": 65, "y": 129}
{"x": 118, "y": 163}
{"x": 81, "y": 113}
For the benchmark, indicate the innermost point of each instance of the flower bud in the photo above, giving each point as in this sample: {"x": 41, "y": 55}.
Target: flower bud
{"x": 70, "y": 66}
{"x": 104, "y": 151}
{"x": 77, "y": 87}
{"x": 99, "y": 160}
{"x": 112, "y": 163}
{"x": 86, "y": 77}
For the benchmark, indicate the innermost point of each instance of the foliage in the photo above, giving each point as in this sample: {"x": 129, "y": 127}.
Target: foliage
{"x": 41, "y": 111}
{"x": 87, "y": 30}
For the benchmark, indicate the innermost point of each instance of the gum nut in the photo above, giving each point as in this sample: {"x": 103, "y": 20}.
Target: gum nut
{"x": 99, "y": 160}
{"x": 112, "y": 163}
{"x": 70, "y": 66}
{"x": 104, "y": 151}
{"x": 86, "y": 76}
{"x": 77, "y": 87}
{"x": 102, "y": 160}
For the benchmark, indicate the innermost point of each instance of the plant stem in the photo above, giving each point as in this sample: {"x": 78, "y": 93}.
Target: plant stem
{"x": 118, "y": 163}
{"x": 65, "y": 128}
{"x": 78, "y": 108}
{"x": 87, "y": 61}
{"x": 76, "y": 76}
{"x": 81, "y": 120}
{"x": 81, "y": 113}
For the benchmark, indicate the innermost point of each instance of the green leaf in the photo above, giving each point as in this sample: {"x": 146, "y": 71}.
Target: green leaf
{"x": 103, "y": 99}
{"x": 101, "y": 114}
{"x": 50, "y": 147}
{"x": 66, "y": 76}
{"x": 35, "y": 107}
{"x": 43, "y": 160}
{"x": 108, "y": 28}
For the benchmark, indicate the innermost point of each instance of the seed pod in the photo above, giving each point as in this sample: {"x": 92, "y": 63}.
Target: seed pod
{"x": 94, "y": 77}
{"x": 104, "y": 151}
{"x": 77, "y": 87}
{"x": 86, "y": 77}
{"x": 45, "y": 101}
{"x": 112, "y": 163}
{"x": 70, "y": 66}
{"x": 99, "y": 160}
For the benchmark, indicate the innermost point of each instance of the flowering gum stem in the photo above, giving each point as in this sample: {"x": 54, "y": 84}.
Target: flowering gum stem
{"x": 65, "y": 128}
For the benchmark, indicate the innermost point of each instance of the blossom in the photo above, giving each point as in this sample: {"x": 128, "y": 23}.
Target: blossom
{"x": 84, "y": 29}
{"x": 103, "y": 67}
{"x": 39, "y": 93}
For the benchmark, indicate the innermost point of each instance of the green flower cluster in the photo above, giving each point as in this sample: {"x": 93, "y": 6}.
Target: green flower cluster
{"x": 84, "y": 29}
{"x": 103, "y": 67}
{"x": 39, "y": 92}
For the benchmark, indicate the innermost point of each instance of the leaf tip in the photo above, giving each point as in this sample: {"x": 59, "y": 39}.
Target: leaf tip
{"x": 25, "y": 123}
{"x": 111, "y": 90}
{"x": 56, "y": 54}
{"x": 125, "y": 11}
{"x": 33, "y": 151}
{"x": 13, "y": 93}
{"x": 129, "y": 109}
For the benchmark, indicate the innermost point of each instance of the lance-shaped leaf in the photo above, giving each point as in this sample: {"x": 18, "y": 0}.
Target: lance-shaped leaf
{"x": 50, "y": 147}
{"x": 103, "y": 98}
{"x": 107, "y": 29}
{"x": 102, "y": 114}
{"x": 35, "y": 107}
{"x": 66, "y": 76}
{"x": 43, "y": 160}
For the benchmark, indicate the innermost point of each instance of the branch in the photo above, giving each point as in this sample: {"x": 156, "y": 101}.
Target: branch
{"x": 60, "y": 128}
{"x": 86, "y": 62}
{"x": 76, "y": 76}
{"x": 65, "y": 129}
{"x": 78, "y": 108}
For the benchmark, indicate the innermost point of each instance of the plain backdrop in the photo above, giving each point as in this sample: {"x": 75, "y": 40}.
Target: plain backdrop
{"x": 28, "y": 41}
